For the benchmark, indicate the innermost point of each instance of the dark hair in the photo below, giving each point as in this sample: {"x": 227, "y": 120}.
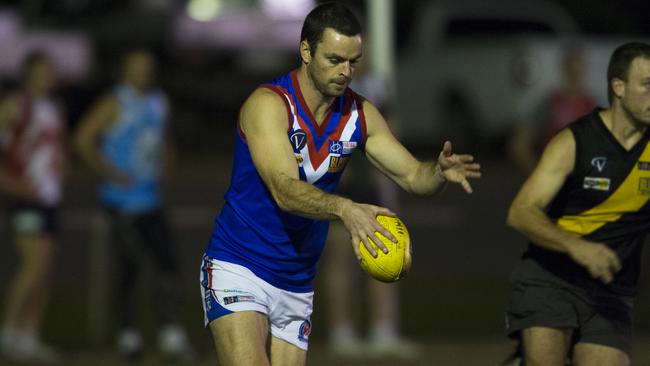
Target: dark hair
{"x": 619, "y": 63}
{"x": 31, "y": 59}
{"x": 328, "y": 15}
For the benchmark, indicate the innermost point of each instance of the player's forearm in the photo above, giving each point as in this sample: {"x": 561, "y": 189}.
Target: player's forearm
{"x": 303, "y": 199}
{"x": 536, "y": 226}
{"x": 427, "y": 179}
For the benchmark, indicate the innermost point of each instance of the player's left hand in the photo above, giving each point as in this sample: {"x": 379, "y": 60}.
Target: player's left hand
{"x": 457, "y": 168}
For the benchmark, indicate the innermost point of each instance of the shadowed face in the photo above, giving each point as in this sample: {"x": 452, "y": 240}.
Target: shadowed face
{"x": 139, "y": 69}
{"x": 332, "y": 64}
{"x": 574, "y": 67}
{"x": 635, "y": 91}
{"x": 40, "y": 77}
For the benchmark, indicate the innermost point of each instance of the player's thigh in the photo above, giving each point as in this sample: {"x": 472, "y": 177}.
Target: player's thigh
{"x": 546, "y": 346}
{"x": 34, "y": 246}
{"x": 32, "y": 229}
{"x": 590, "y": 354}
{"x": 158, "y": 238}
{"x": 606, "y": 333}
{"x": 240, "y": 338}
{"x": 284, "y": 353}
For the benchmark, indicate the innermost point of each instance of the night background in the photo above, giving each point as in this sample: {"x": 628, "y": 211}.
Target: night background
{"x": 212, "y": 54}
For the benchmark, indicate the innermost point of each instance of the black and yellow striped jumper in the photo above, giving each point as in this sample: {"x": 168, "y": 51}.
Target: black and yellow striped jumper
{"x": 605, "y": 199}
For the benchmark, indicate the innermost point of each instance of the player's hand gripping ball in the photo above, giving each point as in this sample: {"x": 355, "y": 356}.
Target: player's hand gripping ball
{"x": 395, "y": 264}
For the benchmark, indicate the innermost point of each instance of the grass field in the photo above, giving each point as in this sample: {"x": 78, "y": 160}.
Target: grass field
{"x": 452, "y": 301}
{"x": 435, "y": 352}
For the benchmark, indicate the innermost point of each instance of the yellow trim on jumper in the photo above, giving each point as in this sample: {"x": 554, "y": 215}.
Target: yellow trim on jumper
{"x": 624, "y": 200}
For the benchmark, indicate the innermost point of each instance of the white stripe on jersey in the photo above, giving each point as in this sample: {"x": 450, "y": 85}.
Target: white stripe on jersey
{"x": 312, "y": 174}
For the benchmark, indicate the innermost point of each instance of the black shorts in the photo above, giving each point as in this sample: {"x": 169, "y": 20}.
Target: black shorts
{"x": 602, "y": 318}
{"x": 33, "y": 219}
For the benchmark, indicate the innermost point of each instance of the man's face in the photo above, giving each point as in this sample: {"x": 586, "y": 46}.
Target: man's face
{"x": 139, "y": 69}
{"x": 636, "y": 97}
{"x": 574, "y": 68}
{"x": 40, "y": 77}
{"x": 333, "y": 62}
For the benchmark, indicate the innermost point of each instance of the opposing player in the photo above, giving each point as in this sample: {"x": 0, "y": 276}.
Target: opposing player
{"x": 295, "y": 135}
{"x": 32, "y": 127}
{"x": 585, "y": 209}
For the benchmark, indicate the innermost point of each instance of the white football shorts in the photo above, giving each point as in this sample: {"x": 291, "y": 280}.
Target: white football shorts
{"x": 227, "y": 288}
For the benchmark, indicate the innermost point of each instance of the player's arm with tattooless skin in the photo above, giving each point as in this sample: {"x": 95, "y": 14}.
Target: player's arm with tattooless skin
{"x": 414, "y": 176}
{"x": 527, "y": 214}
{"x": 263, "y": 120}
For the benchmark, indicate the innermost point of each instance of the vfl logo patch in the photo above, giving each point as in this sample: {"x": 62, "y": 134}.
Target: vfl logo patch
{"x": 305, "y": 331}
{"x": 298, "y": 139}
{"x": 644, "y": 165}
{"x": 597, "y": 183}
{"x": 336, "y": 147}
{"x": 644, "y": 186}
{"x": 299, "y": 159}
{"x": 599, "y": 162}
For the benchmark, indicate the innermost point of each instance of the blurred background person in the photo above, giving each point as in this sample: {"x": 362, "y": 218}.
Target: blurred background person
{"x": 570, "y": 100}
{"x": 32, "y": 130}
{"x": 564, "y": 104}
{"x": 123, "y": 138}
{"x": 363, "y": 184}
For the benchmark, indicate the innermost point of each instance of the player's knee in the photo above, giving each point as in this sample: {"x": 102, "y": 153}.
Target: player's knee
{"x": 543, "y": 361}
{"x": 539, "y": 357}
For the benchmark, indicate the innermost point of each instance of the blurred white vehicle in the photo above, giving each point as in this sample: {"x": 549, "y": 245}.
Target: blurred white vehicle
{"x": 473, "y": 68}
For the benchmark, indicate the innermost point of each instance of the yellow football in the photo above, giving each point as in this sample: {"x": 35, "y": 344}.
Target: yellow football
{"x": 395, "y": 264}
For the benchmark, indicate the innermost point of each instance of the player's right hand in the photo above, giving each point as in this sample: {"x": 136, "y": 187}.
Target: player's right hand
{"x": 18, "y": 188}
{"x": 361, "y": 222}
{"x": 600, "y": 260}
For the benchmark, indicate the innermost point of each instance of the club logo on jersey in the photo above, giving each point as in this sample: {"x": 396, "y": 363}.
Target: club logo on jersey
{"x": 644, "y": 165}
{"x": 348, "y": 147}
{"x": 299, "y": 159}
{"x": 337, "y": 163}
{"x": 599, "y": 162}
{"x": 596, "y": 183}
{"x": 336, "y": 147}
{"x": 305, "y": 331}
{"x": 298, "y": 139}
{"x": 644, "y": 186}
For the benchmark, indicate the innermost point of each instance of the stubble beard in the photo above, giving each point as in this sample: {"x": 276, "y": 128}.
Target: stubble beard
{"x": 321, "y": 87}
{"x": 636, "y": 120}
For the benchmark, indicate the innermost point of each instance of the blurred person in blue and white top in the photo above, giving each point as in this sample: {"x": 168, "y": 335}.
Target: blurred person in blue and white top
{"x": 123, "y": 138}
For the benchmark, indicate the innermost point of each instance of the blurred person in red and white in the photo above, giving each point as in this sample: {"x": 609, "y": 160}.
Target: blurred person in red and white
{"x": 565, "y": 103}
{"x": 32, "y": 134}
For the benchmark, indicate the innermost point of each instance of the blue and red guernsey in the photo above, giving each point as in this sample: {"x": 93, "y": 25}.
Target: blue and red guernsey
{"x": 251, "y": 230}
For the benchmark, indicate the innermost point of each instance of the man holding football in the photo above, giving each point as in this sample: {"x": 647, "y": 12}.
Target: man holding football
{"x": 295, "y": 136}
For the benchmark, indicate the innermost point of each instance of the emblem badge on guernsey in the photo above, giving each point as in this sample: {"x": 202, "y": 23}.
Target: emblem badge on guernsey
{"x": 305, "y": 331}
{"x": 298, "y": 139}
